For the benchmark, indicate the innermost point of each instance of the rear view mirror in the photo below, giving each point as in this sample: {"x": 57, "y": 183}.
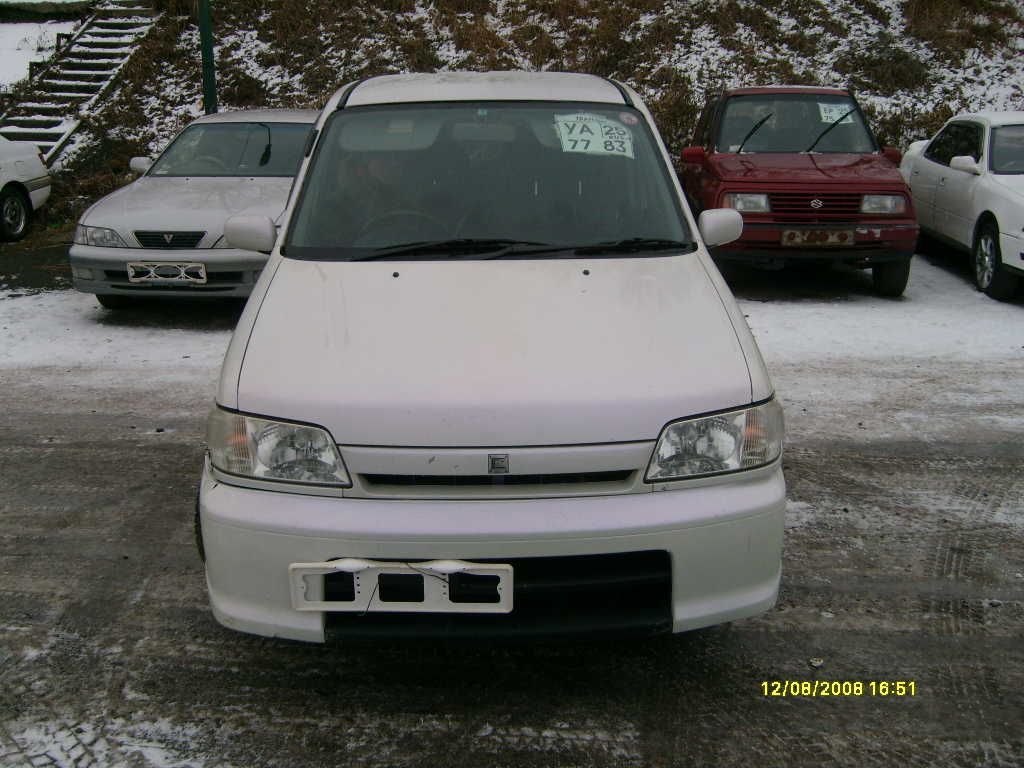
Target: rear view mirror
{"x": 720, "y": 225}
{"x": 892, "y": 154}
{"x": 251, "y": 233}
{"x": 965, "y": 163}
{"x": 140, "y": 165}
{"x": 693, "y": 155}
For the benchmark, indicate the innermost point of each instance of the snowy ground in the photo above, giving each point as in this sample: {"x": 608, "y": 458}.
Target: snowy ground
{"x": 23, "y": 42}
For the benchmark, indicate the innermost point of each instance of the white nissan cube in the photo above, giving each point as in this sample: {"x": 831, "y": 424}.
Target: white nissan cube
{"x": 490, "y": 382}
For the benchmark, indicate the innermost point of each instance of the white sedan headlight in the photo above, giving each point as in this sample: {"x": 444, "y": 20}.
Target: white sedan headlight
{"x": 274, "y": 450}
{"x": 746, "y": 202}
{"x": 885, "y": 204}
{"x": 725, "y": 442}
{"x": 98, "y": 236}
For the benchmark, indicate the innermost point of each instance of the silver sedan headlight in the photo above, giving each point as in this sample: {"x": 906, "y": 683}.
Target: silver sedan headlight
{"x": 263, "y": 449}
{"x": 101, "y": 237}
{"x": 884, "y": 204}
{"x": 724, "y": 442}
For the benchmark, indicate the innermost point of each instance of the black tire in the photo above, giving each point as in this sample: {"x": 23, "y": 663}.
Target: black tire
{"x": 990, "y": 276}
{"x": 108, "y": 301}
{"x": 15, "y": 212}
{"x": 890, "y": 278}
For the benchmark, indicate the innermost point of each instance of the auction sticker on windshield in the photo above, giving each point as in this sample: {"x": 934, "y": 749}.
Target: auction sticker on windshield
{"x": 593, "y": 135}
{"x": 830, "y": 113}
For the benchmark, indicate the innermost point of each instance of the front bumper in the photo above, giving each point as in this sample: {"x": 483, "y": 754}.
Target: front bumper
{"x": 230, "y": 272}
{"x": 721, "y": 539}
{"x": 874, "y": 243}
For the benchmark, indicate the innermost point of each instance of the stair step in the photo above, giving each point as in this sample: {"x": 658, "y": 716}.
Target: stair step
{"x": 98, "y": 66}
{"x": 83, "y": 77}
{"x": 43, "y": 108}
{"x": 125, "y": 12}
{"x": 98, "y": 54}
{"x": 100, "y": 45}
{"x": 13, "y": 134}
{"x": 69, "y": 98}
{"x": 65, "y": 86}
{"x": 31, "y": 121}
{"x": 98, "y": 34}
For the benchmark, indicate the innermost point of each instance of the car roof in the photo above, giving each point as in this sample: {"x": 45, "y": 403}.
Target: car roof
{"x": 262, "y": 116}
{"x": 486, "y": 86}
{"x": 769, "y": 89}
{"x": 993, "y": 117}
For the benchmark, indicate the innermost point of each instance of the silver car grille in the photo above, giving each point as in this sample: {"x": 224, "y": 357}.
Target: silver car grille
{"x": 168, "y": 240}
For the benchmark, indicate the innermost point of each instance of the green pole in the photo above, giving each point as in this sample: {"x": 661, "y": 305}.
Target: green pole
{"x": 206, "y": 46}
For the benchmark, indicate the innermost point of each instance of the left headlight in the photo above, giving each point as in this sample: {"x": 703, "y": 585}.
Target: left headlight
{"x": 98, "y": 236}
{"x": 883, "y": 204}
{"x": 724, "y": 442}
{"x": 274, "y": 450}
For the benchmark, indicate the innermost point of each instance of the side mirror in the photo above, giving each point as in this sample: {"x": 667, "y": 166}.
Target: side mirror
{"x": 892, "y": 154}
{"x": 140, "y": 165}
{"x": 695, "y": 155}
{"x": 965, "y": 163}
{"x": 251, "y": 233}
{"x": 720, "y": 225}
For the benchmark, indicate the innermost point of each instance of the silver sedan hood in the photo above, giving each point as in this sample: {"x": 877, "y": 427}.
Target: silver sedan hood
{"x": 188, "y": 203}
{"x": 493, "y": 353}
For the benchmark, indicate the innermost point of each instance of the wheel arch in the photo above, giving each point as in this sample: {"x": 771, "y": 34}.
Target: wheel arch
{"x": 21, "y": 189}
{"x": 985, "y": 217}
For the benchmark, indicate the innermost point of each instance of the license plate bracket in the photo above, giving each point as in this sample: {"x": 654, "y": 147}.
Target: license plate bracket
{"x": 385, "y": 586}
{"x": 831, "y": 238}
{"x": 167, "y": 272}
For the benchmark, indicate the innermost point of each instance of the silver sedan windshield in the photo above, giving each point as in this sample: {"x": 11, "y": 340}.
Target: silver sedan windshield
{"x": 235, "y": 149}
{"x": 544, "y": 174}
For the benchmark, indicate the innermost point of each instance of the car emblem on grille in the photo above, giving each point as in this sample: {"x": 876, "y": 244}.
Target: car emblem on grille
{"x": 168, "y": 238}
{"x": 497, "y": 463}
{"x": 816, "y": 203}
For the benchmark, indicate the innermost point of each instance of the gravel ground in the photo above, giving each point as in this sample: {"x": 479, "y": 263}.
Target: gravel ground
{"x": 904, "y": 561}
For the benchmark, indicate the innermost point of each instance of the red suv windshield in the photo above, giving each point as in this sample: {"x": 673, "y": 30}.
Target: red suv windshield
{"x": 793, "y": 122}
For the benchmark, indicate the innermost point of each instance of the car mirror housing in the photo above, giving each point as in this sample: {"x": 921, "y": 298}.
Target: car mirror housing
{"x": 694, "y": 155}
{"x": 892, "y": 154}
{"x": 251, "y": 233}
{"x": 965, "y": 163}
{"x": 140, "y": 165}
{"x": 720, "y": 225}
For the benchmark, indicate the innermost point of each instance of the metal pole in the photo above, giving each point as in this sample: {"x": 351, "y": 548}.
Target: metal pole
{"x": 206, "y": 46}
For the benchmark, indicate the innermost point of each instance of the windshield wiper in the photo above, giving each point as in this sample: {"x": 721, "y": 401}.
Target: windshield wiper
{"x": 265, "y": 157}
{"x": 831, "y": 126}
{"x": 635, "y": 245}
{"x": 464, "y": 245}
{"x": 752, "y": 131}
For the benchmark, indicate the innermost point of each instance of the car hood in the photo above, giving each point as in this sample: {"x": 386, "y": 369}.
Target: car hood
{"x": 784, "y": 168}
{"x": 188, "y": 203}
{"x": 492, "y": 353}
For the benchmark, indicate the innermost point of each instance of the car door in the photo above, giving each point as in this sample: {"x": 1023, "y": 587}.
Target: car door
{"x": 955, "y": 212}
{"x": 926, "y": 172}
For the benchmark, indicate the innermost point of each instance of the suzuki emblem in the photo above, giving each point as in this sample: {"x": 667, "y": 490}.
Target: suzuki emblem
{"x": 816, "y": 203}
{"x": 497, "y": 463}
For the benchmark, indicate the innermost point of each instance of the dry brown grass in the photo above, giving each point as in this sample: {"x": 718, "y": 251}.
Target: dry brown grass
{"x": 951, "y": 26}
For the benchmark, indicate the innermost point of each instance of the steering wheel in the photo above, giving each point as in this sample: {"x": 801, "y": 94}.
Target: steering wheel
{"x": 402, "y": 213}
{"x": 211, "y": 160}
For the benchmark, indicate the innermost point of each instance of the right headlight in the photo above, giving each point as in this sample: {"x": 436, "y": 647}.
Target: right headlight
{"x": 745, "y": 438}
{"x": 98, "y": 236}
{"x": 263, "y": 449}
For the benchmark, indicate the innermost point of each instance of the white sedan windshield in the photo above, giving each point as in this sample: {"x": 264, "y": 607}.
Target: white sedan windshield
{"x": 540, "y": 174}
{"x": 235, "y": 149}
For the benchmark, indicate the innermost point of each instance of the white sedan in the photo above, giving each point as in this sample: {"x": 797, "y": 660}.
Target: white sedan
{"x": 968, "y": 189}
{"x": 24, "y": 186}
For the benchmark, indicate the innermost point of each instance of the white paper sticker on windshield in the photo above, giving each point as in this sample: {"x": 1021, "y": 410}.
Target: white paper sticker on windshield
{"x": 594, "y": 135}
{"x": 832, "y": 112}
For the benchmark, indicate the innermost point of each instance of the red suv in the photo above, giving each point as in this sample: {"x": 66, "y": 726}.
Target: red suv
{"x": 804, "y": 169}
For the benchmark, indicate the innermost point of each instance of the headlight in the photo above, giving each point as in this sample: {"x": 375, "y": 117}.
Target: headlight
{"x": 98, "y": 236}
{"x": 746, "y": 202}
{"x": 274, "y": 450}
{"x": 883, "y": 204}
{"x": 725, "y": 442}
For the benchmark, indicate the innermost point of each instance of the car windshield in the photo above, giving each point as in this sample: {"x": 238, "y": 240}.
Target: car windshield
{"x": 793, "y": 122}
{"x": 235, "y": 149}
{"x": 1008, "y": 149}
{"x": 485, "y": 180}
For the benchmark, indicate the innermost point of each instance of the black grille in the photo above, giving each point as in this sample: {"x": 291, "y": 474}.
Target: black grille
{"x": 628, "y": 593}
{"x": 824, "y": 206}
{"x": 488, "y": 481}
{"x": 169, "y": 240}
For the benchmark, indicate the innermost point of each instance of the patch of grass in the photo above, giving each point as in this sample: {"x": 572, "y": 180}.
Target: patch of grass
{"x": 885, "y": 67}
{"x": 951, "y": 26}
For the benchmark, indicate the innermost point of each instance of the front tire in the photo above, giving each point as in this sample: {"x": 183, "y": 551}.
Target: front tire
{"x": 15, "y": 210}
{"x": 890, "y": 278}
{"x": 990, "y": 276}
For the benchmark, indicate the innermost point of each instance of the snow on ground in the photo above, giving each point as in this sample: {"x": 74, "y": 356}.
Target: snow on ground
{"x": 21, "y": 43}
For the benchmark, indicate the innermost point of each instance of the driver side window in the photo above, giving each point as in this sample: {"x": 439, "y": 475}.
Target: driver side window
{"x": 954, "y": 140}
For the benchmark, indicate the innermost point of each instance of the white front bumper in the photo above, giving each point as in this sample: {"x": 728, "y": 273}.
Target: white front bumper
{"x": 724, "y": 539}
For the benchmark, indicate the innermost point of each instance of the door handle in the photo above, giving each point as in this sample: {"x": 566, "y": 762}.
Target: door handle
{"x": 942, "y": 182}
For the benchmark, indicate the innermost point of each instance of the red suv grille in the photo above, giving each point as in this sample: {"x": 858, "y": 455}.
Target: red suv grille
{"x": 807, "y": 206}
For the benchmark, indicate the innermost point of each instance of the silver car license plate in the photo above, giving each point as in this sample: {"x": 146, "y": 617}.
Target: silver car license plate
{"x": 434, "y": 586}
{"x": 167, "y": 272}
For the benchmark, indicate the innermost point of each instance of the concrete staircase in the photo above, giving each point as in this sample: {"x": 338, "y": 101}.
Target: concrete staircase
{"x": 78, "y": 75}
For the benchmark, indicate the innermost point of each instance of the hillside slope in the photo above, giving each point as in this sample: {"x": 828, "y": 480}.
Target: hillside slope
{"x": 912, "y": 62}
